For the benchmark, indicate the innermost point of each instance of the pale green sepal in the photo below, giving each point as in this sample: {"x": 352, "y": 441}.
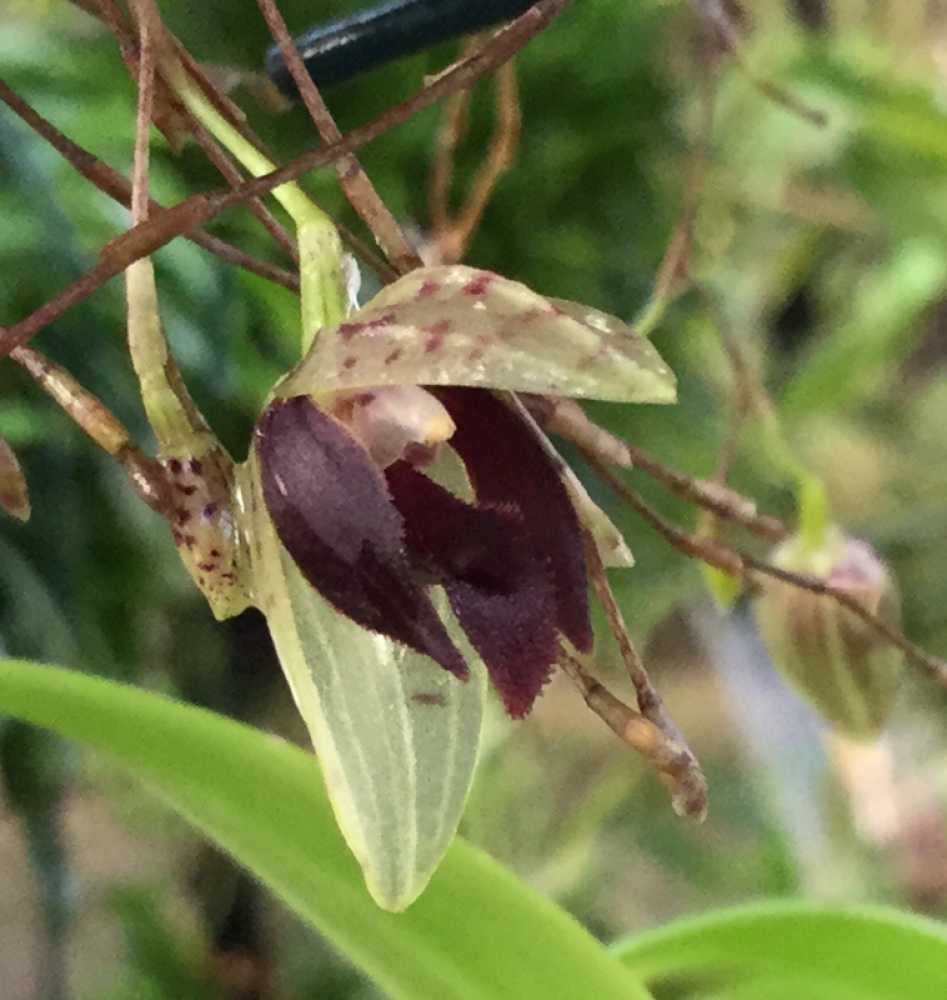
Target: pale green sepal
{"x": 612, "y": 548}
{"x": 396, "y": 734}
{"x": 456, "y": 325}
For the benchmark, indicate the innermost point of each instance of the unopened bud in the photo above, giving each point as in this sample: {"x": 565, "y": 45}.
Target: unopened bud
{"x": 841, "y": 665}
{"x": 14, "y": 498}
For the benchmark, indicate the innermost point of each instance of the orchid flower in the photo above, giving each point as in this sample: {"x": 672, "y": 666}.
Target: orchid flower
{"x": 400, "y": 520}
{"x": 410, "y": 532}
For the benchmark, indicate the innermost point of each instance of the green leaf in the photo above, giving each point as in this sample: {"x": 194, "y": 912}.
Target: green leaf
{"x": 456, "y": 325}
{"x": 396, "y": 734}
{"x": 767, "y": 950}
{"x": 476, "y": 934}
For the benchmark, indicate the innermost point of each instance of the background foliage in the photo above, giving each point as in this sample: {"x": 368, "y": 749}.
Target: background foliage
{"x": 827, "y": 250}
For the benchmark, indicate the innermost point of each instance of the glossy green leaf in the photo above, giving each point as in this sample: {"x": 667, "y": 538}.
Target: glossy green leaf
{"x": 476, "y": 934}
{"x": 456, "y": 325}
{"x": 396, "y": 734}
{"x": 822, "y": 952}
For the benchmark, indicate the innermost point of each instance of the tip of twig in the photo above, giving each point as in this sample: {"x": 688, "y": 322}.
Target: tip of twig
{"x": 689, "y": 795}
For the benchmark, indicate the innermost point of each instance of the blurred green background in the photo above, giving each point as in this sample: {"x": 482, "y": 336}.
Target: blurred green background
{"x": 827, "y": 251}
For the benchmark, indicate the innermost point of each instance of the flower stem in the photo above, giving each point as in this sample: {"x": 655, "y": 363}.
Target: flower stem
{"x": 322, "y": 281}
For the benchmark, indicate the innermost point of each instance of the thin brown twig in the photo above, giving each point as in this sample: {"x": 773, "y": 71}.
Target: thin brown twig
{"x": 355, "y": 183}
{"x": 716, "y": 16}
{"x": 746, "y": 391}
{"x": 741, "y": 564}
{"x": 234, "y": 117}
{"x": 730, "y": 443}
{"x": 149, "y": 25}
{"x": 674, "y": 272}
{"x": 500, "y": 47}
{"x": 649, "y": 701}
{"x": 79, "y": 290}
{"x": 702, "y": 547}
{"x": 441, "y": 173}
{"x": 750, "y": 391}
{"x": 109, "y": 181}
{"x": 451, "y": 233}
{"x": 499, "y": 155}
{"x": 100, "y": 424}
{"x": 369, "y": 257}
{"x": 162, "y": 227}
{"x": 175, "y": 117}
{"x": 566, "y": 418}
{"x": 696, "y": 174}
{"x": 232, "y": 175}
{"x": 663, "y": 743}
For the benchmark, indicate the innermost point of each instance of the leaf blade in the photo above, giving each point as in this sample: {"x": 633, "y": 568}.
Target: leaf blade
{"x": 477, "y": 934}
{"x": 871, "y": 953}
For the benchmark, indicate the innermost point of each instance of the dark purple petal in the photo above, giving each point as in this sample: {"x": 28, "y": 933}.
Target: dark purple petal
{"x": 502, "y": 595}
{"x": 335, "y": 517}
{"x": 508, "y": 468}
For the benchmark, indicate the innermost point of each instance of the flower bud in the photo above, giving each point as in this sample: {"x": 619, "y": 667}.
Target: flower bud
{"x": 14, "y": 498}
{"x": 841, "y": 665}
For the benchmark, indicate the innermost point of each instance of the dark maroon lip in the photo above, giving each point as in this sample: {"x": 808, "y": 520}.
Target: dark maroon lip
{"x": 510, "y": 563}
{"x": 333, "y": 513}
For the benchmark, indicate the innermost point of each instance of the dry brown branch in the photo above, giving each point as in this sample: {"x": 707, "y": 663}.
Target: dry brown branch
{"x": 162, "y": 227}
{"x": 355, "y": 183}
{"x": 715, "y": 15}
{"x": 451, "y": 233}
{"x": 149, "y": 26}
{"x": 97, "y": 420}
{"x": 675, "y": 269}
{"x": 173, "y": 118}
{"x": 566, "y": 418}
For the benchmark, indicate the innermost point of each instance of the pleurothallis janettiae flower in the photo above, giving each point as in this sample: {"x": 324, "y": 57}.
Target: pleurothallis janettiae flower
{"x": 410, "y": 534}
